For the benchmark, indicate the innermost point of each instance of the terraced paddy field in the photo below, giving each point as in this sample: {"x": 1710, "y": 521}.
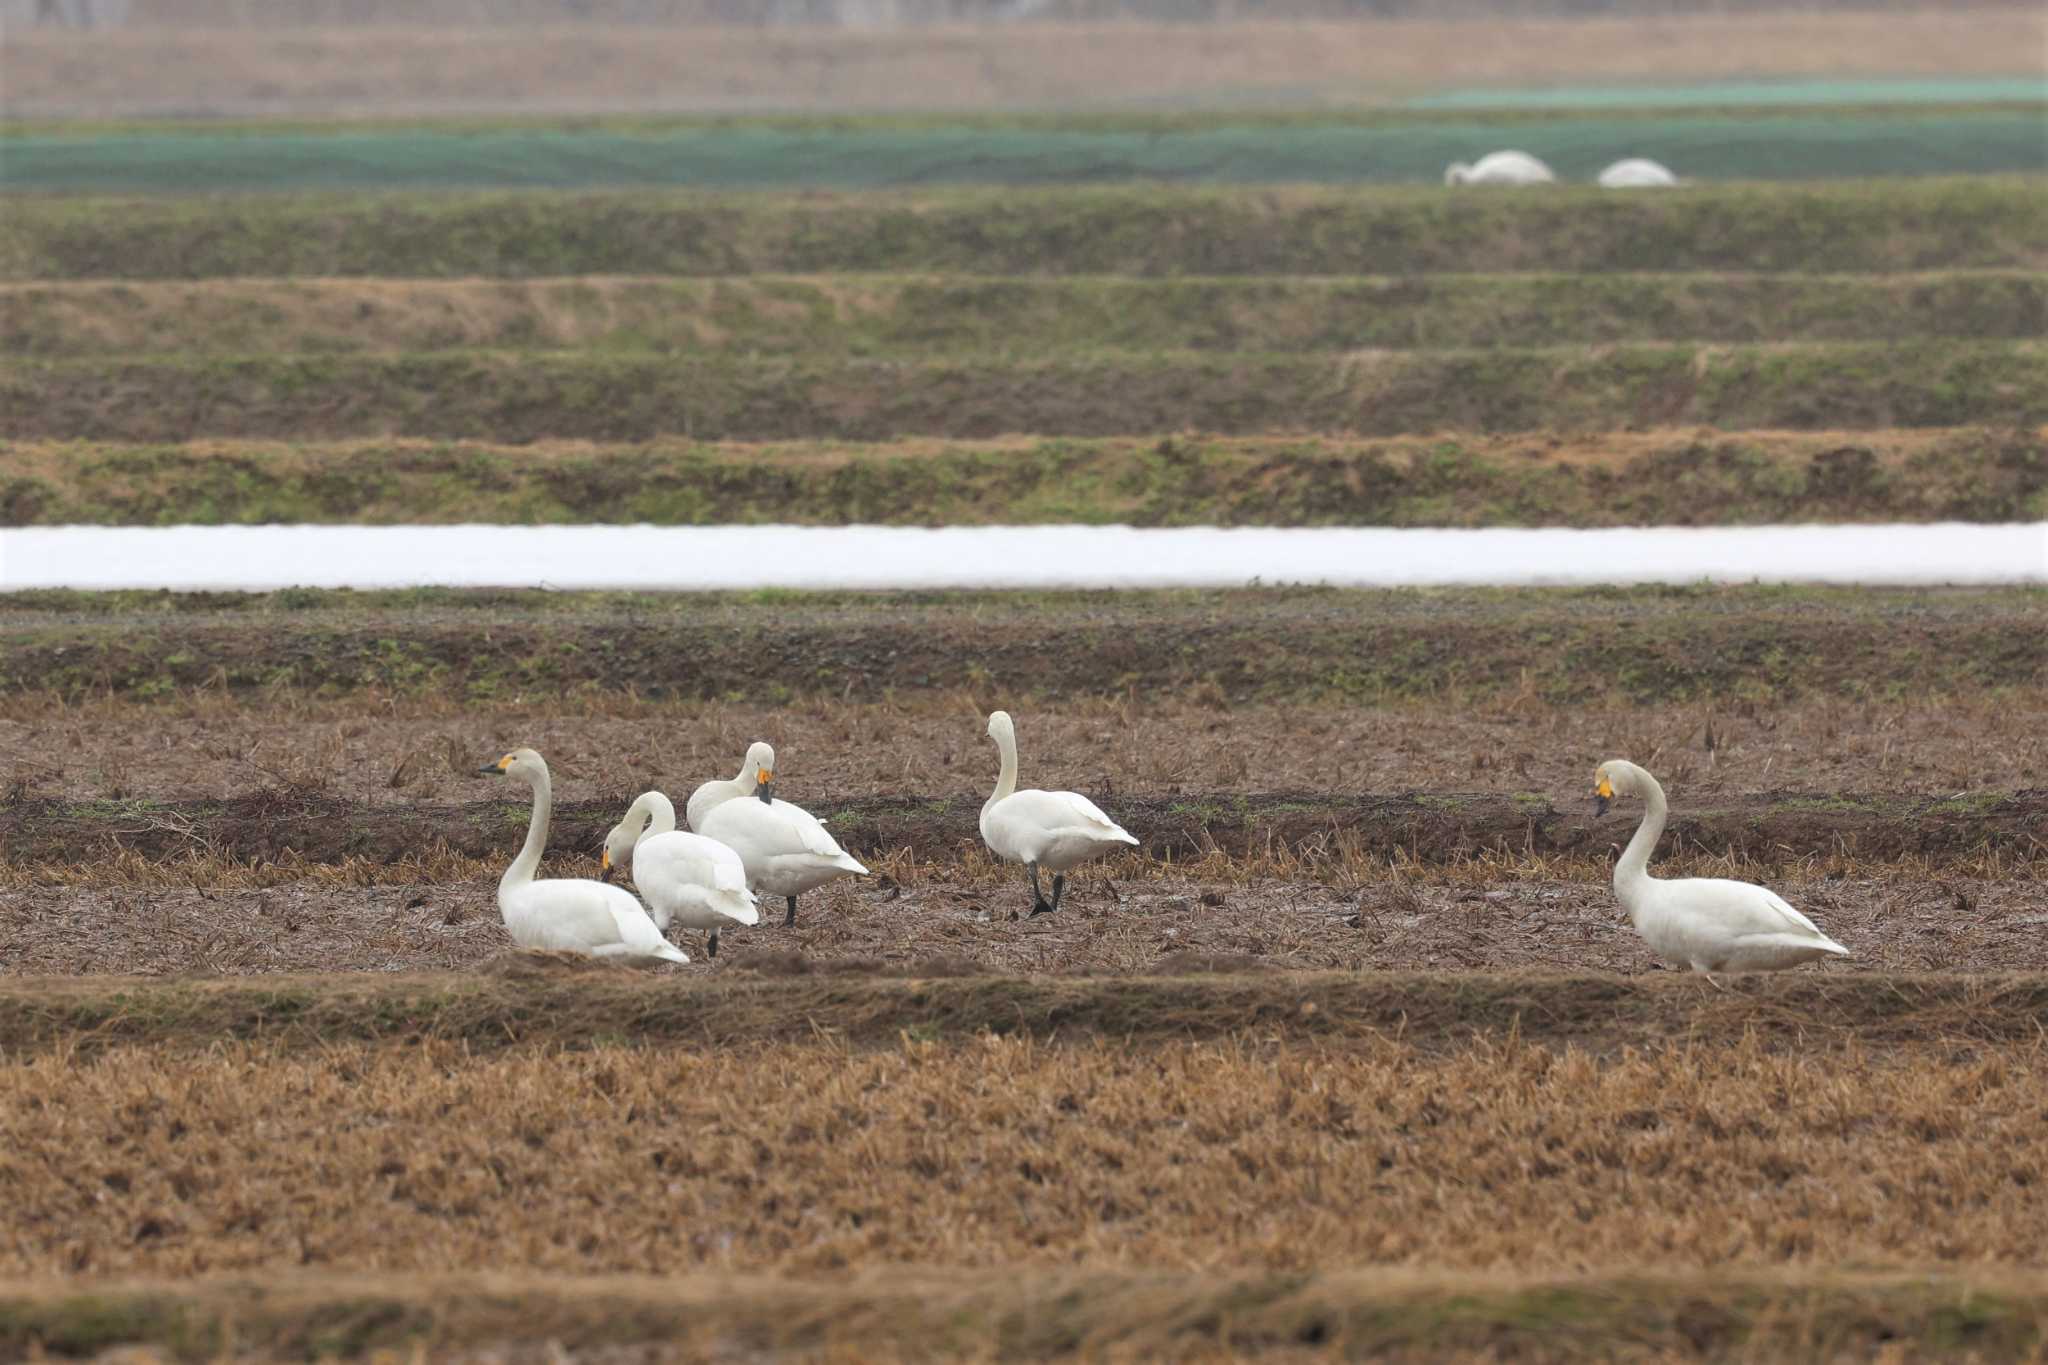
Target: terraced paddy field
{"x": 1354, "y": 1054}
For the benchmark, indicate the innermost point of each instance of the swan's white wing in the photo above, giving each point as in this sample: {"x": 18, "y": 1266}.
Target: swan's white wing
{"x": 582, "y": 916}
{"x": 809, "y": 831}
{"x": 1056, "y": 811}
{"x": 1737, "y": 908}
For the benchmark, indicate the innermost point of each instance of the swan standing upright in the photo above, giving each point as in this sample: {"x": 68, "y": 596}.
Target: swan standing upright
{"x": 1053, "y": 830}
{"x": 756, "y": 768}
{"x": 1707, "y": 923}
{"x": 687, "y": 879}
{"x": 1500, "y": 168}
{"x": 785, "y": 850}
{"x": 571, "y": 914}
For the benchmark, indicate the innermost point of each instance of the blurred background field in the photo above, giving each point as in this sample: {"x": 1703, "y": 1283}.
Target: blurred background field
{"x": 1357, "y": 1057}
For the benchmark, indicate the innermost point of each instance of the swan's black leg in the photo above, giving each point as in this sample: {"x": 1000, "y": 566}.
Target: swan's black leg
{"x": 1038, "y": 905}
{"x": 789, "y": 920}
{"x": 1059, "y": 888}
{"x": 711, "y": 948}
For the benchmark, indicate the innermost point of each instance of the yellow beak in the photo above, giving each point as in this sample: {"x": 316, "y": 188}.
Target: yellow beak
{"x": 1605, "y": 790}
{"x": 767, "y": 776}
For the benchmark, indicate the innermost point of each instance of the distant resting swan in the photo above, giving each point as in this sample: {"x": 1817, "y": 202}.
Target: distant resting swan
{"x": 571, "y": 914}
{"x": 1637, "y": 174}
{"x": 758, "y": 767}
{"x": 1499, "y": 168}
{"x": 1707, "y": 923}
{"x": 687, "y": 879}
{"x": 785, "y": 850}
{"x": 1053, "y": 830}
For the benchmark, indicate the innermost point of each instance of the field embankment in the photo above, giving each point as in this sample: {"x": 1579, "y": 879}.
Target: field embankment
{"x": 1039, "y": 316}
{"x": 513, "y": 397}
{"x": 1639, "y": 644}
{"x": 1655, "y": 478}
{"x": 1800, "y": 1318}
{"x": 1979, "y": 223}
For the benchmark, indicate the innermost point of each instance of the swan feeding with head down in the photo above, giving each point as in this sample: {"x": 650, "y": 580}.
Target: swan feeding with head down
{"x": 1500, "y": 168}
{"x": 687, "y": 879}
{"x": 1707, "y": 923}
{"x": 1637, "y": 173}
{"x": 1053, "y": 830}
{"x": 785, "y": 849}
{"x": 567, "y": 914}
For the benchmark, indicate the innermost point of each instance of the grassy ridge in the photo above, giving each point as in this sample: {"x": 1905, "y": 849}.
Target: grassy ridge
{"x": 1611, "y": 479}
{"x": 542, "y": 1002}
{"x": 1882, "y": 226}
{"x": 1565, "y": 646}
{"x": 602, "y": 397}
{"x": 893, "y": 315}
{"x": 925, "y": 1314}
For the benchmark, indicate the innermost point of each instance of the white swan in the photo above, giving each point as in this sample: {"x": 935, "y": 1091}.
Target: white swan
{"x": 1053, "y": 830}
{"x": 1499, "y": 168}
{"x": 785, "y": 850}
{"x": 575, "y": 914}
{"x": 1637, "y": 173}
{"x": 687, "y": 879}
{"x": 1707, "y": 923}
{"x": 758, "y": 767}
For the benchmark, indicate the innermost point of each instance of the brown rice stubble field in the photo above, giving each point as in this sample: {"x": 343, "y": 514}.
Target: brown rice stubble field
{"x": 996, "y": 1151}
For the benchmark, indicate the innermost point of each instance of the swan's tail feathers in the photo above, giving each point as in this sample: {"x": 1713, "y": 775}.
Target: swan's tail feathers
{"x": 846, "y": 862}
{"x": 1812, "y": 943}
{"x": 737, "y": 907}
{"x": 1125, "y": 836}
{"x": 668, "y": 952}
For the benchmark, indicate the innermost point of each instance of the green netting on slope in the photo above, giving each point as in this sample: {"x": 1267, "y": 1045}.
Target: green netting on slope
{"x": 1770, "y": 148}
{"x": 1736, "y": 94}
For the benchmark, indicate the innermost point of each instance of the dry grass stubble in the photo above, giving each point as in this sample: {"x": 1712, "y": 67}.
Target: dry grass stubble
{"x": 1198, "y": 1157}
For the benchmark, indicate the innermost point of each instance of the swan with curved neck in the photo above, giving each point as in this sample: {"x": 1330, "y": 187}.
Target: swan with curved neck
{"x": 687, "y": 878}
{"x": 785, "y": 849}
{"x": 1707, "y": 923}
{"x": 1500, "y": 168}
{"x": 567, "y": 914}
{"x": 756, "y": 771}
{"x": 1053, "y": 830}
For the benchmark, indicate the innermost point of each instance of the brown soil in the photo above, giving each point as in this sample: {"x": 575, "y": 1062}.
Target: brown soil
{"x": 812, "y": 1158}
{"x": 1136, "y": 920}
{"x": 1312, "y": 827}
{"x": 379, "y": 752}
{"x": 413, "y": 69}
{"x": 1398, "y": 1316}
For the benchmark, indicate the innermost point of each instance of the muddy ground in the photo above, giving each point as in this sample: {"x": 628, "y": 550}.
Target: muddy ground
{"x": 947, "y": 925}
{"x": 378, "y": 753}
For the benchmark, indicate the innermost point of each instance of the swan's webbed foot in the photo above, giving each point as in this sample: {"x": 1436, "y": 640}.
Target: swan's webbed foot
{"x": 1039, "y": 907}
{"x": 789, "y": 920}
{"x": 711, "y": 948}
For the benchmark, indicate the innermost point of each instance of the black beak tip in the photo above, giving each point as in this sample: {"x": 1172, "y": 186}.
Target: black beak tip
{"x": 493, "y": 769}
{"x": 1599, "y": 805}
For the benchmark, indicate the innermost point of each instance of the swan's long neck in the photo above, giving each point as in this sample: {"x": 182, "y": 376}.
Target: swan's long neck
{"x": 1006, "y": 781}
{"x": 1632, "y": 873}
{"x": 528, "y": 862}
{"x": 660, "y": 813}
{"x": 749, "y": 778}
